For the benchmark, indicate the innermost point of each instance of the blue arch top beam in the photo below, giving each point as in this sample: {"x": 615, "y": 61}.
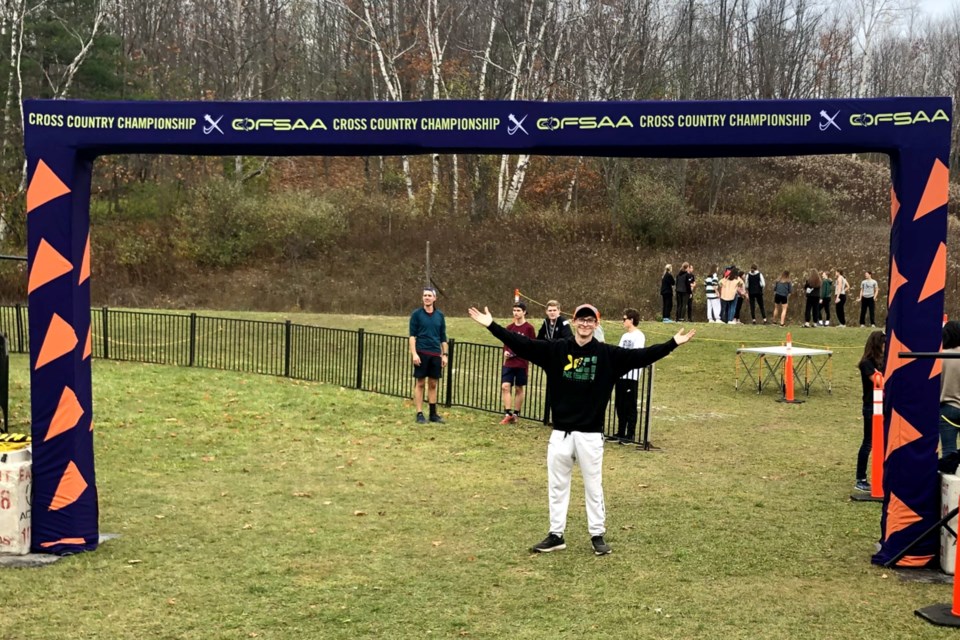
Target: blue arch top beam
{"x": 628, "y": 129}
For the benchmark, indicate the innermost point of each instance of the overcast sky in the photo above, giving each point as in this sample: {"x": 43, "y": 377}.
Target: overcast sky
{"x": 939, "y": 7}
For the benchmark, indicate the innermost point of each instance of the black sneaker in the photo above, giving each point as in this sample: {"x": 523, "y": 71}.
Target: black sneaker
{"x": 600, "y": 547}
{"x": 421, "y": 419}
{"x": 552, "y": 542}
{"x": 437, "y": 419}
{"x": 862, "y": 485}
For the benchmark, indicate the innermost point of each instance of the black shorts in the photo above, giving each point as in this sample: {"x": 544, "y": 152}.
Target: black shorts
{"x": 430, "y": 367}
{"x": 779, "y": 299}
{"x": 517, "y": 376}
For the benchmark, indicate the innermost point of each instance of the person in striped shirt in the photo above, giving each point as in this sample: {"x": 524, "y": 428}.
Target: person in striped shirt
{"x": 711, "y": 286}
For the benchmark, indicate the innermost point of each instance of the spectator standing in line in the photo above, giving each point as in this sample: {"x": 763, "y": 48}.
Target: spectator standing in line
{"x": 428, "y": 349}
{"x": 755, "y": 286}
{"x": 556, "y": 327}
{"x": 950, "y": 390}
{"x": 871, "y": 362}
{"x": 826, "y": 295}
{"x": 666, "y": 292}
{"x": 626, "y": 390}
{"x": 728, "y": 295}
{"x": 741, "y": 296}
{"x": 711, "y": 287}
{"x": 781, "y": 297}
{"x": 692, "y": 284}
{"x": 513, "y": 376}
{"x": 584, "y": 373}
{"x": 868, "y": 295}
{"x": 811, "y": 287}
{"x": 683, "y": 291}
{"x": 842, "y": 287}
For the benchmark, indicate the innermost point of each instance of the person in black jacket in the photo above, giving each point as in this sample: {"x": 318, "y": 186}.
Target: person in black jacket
{"x": 583, "y": 372}
{"x": 666, "y": 292}
{"x": 683, "y": 291}
{"x": 554, "y": 327}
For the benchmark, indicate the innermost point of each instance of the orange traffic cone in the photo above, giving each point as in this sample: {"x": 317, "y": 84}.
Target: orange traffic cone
{"x": 788, "y": 375}
{"x": 877, "y": 454}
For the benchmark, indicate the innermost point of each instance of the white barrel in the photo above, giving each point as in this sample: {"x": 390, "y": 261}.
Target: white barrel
{"x": 16, "y": 477}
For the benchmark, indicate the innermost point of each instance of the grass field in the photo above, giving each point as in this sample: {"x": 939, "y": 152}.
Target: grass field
{"x": 261, "y": 507}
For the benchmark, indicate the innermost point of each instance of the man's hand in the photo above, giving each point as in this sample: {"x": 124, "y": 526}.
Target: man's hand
{"x": 416, "y": 359}
{"x": 483, "y": 318}
{"x": 682, "y": 337}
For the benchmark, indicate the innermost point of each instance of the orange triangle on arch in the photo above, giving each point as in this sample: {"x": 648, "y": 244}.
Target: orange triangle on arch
{"x": 88, "y": 346}
{"x": 894, "y": 361}
{"x": 935, "y": 193}
{"x": 937, "y": 367}
{"x": 60, "y": 340}
{"x": 901, "y": 433}
{"x": 85, "y": 263}
{"x": 894, "y": 205}
{"x": 48, "y": 264}
{"x": 899, "y": 515}
{"x": 44, "y": 187}
{"x": 896, "y": 281}
{"x": 66, "y": 416}
{"x": 71, "y": 487}
{"x": 937, "y": 276}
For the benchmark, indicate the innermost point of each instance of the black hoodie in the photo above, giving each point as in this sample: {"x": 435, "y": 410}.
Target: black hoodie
{"x": 580, "y": 378}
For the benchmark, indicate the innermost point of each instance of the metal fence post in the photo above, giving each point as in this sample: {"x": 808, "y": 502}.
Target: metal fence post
{"x": 193, "y": 339}
{"x": 360, "y": 358}
{"x": 19, "y": 329}
{"x": 106, "y": 333}
{"x": 287, "y": 346}
{"x": 450, "y": 352}
{"x": 645, "y": 444}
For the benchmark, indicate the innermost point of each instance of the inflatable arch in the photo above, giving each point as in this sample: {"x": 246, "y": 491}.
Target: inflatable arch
{"x": 63, "y": 138}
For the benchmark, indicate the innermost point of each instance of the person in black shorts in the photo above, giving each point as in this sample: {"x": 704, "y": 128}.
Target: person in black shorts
{"x": 428, "y": 349}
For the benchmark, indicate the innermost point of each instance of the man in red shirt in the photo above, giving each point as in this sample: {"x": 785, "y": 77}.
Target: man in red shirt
{"x": 514, "y": 373}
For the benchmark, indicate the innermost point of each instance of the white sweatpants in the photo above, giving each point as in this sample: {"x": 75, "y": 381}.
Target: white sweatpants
{"x": 587, "y": 450}
{"x": 713, "y": 310}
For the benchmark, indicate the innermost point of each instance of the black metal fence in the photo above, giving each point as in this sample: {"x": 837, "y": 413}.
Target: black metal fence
{"x": 354, "y": 359}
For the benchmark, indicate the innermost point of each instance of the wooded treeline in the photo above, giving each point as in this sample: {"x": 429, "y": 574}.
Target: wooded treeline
{"x": 444, "y": 49}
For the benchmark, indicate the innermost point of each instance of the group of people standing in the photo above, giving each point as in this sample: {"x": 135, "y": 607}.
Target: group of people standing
{"x": 725, "y": 295}
{"x": 581, "y": 371}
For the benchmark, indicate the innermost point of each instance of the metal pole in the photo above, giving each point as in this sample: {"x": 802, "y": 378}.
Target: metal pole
{"x": 360, "y": 358}
{"x": 429, "y": 281}
{"x": 449, "y": 398}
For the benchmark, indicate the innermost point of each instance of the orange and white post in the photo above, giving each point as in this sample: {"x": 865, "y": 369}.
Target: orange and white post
{"x": 876, "y": 455}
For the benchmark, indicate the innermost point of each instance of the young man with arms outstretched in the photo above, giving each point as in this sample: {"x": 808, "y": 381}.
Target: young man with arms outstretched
{"x": 582, "y": 373}
{"x": 428, "y": 349}
{"x": 514, "y": 374}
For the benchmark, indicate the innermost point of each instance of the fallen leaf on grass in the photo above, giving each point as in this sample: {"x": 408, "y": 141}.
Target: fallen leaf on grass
{"x": 643, "y": 486}
{"x": 360, "y": 483}
{"x": 437, "y": 543}
{"x": 359, "y": 513}
{"x": 327, "y": 502}
{"x": 341, "y": 467}
{"x": 208, "y": 458}
{"x": 247, "y": 526}
{"x": 171, "y": 420}
{"x": 172, "y": 601}
{"x": 134, "y": 561}
{"x": 302, "y": 494}
{"x": 159, "y": 517}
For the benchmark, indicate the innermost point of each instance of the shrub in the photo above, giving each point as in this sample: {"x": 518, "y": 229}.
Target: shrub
{"x": 221, "y": 226}
{"x": 804, "y": 203}
{"x": 300, "y": 224}
{"x": 651, "y": 212}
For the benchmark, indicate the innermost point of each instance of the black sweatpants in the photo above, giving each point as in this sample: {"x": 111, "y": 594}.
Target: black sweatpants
{"x": 865, "y": 304}
{"x": 757, "y": 299}
{"x": 841, "y": 315}
{"x": 825, "y": 306}
{"x": 865, "y": 446}
{"x": 626, "y": 404}
{"x": 667, "y": 304}
{"x": 684, "y": 306}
